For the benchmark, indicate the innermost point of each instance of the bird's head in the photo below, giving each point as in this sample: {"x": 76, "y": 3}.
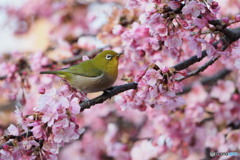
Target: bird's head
{"x": 107, "y": 59}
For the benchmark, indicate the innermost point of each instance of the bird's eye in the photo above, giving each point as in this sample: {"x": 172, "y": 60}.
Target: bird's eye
{"x": 108, "y": 56}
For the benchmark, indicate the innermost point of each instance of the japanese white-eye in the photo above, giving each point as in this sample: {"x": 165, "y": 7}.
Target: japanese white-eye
{"x": 93, "y": 75}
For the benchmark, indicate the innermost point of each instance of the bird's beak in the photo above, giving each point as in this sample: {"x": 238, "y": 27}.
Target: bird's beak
{"x": 119, "y": 54}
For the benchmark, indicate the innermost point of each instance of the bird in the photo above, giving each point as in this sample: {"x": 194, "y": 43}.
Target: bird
{"x": 93, "y": 75}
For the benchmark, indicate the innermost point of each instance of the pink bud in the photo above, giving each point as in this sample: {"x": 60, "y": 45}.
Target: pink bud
{"x": 142, "y": 108}
{"x": 165, "y": 70}
{"x": 235, "y": 97}
{"x": 24, "y": 73}
{"x": 125, "y": 148}
{"x": 23, "y": 100}
{"x": 41, "y": 90}
{"x": 5, "y": 147}
{"x": 225, "y": 20}
{"x": 141, "y": 53}
{"x": 237, "y": 18}
{"x": 214, "y": 4}
{"x": 72, "y": 119}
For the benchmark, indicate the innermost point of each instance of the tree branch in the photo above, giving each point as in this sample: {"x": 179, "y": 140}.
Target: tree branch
{"x": 197, "y": 71}
{"x": 78, "y": 57}
{"x": 190, "y": 61}
{"x": 106, "y": 95}
{"x": 208, "y": 80}
{"x": 3, "y": 77}
{"x": 18, "y": 138}
{"x": 231, "y": 35}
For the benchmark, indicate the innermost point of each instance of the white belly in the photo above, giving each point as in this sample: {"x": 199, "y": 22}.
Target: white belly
{"x": 90, "y": 84}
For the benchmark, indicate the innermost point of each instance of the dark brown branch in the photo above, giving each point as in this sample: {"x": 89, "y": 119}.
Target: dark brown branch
{"x": 208, "y": 80}
{"x": 135, "y": 137}
{"x": 213, "y": 79}
{"x": 3, "y": 77}
{"x": 79, "y": 57}
{"x": 192, "y": 60}
{"x": 18, "y": 138}
{"x": 72, "y": 59}
{"x": 106, "y": 95}
{"x": 200, "y": 69}
{"x": 231, "y": 35}
{"x": 235, "y": 125}
{"x": 205, "y": 120}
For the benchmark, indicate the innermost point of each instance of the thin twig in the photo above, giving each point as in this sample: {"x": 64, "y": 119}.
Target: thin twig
{"x": 190, "y": 61}
{"x": 208, "y": 80}
{"x": 18, "y": 138}
{"x": 79, "y": 57}
{"x": 3, "y": 77}
{"x": 231, "y": 35}
{"x": 135, "y": 137}
{"x": 197, "y": 71}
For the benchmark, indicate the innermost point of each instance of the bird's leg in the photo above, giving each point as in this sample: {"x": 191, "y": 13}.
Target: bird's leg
{"x": 82, "y": 93}
{"x": 85, "y": 96}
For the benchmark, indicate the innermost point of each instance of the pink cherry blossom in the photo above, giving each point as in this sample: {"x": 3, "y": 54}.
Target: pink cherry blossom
{"x": 134, "y": 3}
{"x": 144, "y": 150}
{"x": 194, "y": 8}
{"x": 64, "y": 131}
{"x": 173, "y": 42}
{"x": 237, "y": 18}
{"x": 13, "y": 130}
{"x": 41, "y": 90}
{"x": 153, "y": 93}
{"x": 37, "y": 131}
{"x": 117, "y": 30}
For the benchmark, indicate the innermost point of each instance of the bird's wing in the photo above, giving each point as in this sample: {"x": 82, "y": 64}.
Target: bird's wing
{"x": 85, "y": 68}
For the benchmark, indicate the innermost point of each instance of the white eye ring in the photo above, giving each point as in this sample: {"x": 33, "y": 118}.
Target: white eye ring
{"x": 108, "y": 56}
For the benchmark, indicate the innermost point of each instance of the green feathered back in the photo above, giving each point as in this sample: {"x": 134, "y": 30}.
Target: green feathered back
{"x": 86, "y": 69}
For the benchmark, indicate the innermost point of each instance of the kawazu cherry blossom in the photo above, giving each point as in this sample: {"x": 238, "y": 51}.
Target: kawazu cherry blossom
{"x": 177, "y": 95}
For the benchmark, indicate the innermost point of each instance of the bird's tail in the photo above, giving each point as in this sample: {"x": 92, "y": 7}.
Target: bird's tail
{"x": 59, "y": 73}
